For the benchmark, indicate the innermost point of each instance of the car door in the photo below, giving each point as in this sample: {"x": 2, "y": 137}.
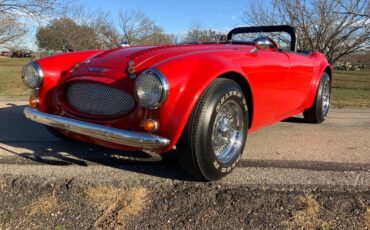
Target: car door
{"x": 298, "y": 84}
{"x": 268, "y": 73}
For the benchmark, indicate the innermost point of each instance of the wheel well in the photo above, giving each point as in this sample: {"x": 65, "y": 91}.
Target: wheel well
{"x": 328, "y": 71}
{"x": 243, "y": 83}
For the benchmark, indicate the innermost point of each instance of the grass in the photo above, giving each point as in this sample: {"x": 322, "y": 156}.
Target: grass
{"x": 350, "y": 88}
{"x": 11, "y": 85}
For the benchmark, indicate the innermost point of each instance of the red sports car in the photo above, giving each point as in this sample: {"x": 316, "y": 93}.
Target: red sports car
{"x": 201, "y": 99}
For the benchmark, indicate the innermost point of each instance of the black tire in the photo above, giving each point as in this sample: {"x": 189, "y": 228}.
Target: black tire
{"x": 196, "y": 151}
{"x": 317, "y": 113}
{"x": 57, "y": 134}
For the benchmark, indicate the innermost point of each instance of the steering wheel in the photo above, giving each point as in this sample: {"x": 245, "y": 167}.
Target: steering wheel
{"x": 265, "y": 38}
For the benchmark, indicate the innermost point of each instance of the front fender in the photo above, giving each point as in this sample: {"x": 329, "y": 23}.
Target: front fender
{"x": 54, "y": 67}
{"x": 188, "y": 77}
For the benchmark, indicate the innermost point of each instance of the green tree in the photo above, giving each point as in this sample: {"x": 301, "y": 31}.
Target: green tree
{"x": 66, "y": 35}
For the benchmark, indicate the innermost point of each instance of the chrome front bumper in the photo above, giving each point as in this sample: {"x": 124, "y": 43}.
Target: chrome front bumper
{"x": 114, "y": 135}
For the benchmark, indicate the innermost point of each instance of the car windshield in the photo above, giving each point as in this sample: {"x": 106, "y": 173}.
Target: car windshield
{"x": 282, "y": 38}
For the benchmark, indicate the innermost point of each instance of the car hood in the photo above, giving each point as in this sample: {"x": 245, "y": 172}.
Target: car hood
{"x": 146, "y": 56}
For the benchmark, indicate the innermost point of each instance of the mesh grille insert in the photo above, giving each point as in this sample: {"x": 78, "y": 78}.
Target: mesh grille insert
{"x": 98, "y": 99}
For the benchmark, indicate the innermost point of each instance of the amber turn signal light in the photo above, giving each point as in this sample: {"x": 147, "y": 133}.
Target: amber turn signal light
{"x": 34, "y": 102}
{"x": 150, "y": 125}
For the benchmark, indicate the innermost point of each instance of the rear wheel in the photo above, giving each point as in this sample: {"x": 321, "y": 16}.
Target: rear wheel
{"x": 214, "y": 137}
{"x": 318, "y": 112}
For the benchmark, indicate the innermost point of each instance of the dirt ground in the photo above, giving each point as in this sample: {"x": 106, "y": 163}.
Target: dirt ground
{"x": 44, "y": 203}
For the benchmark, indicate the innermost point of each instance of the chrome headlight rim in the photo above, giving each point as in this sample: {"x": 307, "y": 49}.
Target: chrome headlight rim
{"x": 164, "y": 87}
{"x": 38, "y": 69}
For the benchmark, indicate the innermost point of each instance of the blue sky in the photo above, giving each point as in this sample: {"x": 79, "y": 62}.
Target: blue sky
{"x": 176, "y": 16}
{"x": 173, "y": 16}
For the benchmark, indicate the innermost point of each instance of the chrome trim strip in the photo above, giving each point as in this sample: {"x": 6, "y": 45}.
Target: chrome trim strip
{"x": 114, "y": 135}
{"x": 38, "y": 69}
{"x": 165, "y": 85}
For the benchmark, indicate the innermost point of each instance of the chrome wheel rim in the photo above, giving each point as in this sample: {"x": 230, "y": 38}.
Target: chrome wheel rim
{"x": 227, "y": 132}
{"x": 325, "y": 98}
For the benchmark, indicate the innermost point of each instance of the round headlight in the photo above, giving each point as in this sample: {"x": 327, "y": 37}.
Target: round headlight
{"x": 151, "y": 89}
{"x": 32, "y": 75}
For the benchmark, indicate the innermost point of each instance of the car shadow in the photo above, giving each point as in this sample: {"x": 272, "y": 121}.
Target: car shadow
{"x": 31, "y": 142}
{"x": 295, "y": 120}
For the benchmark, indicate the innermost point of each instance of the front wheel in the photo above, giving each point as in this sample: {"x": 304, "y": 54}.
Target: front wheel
{"x": 214, "y": 137}
{"x": 318, "y": 112}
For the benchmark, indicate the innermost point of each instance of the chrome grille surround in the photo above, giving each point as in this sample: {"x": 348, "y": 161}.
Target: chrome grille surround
{"x": 93, "y": 98}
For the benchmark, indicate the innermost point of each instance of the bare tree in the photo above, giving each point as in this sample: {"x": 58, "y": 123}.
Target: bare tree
{"x": 197, "y": 34}
{"x": 12, "y": 27}
{"x": 334, "y": 27}
{"x": 139, "y": 29}
{"x": 157, "y": 37}
{"x": 99, "y": 20}
{"x": 135, "y": 25}
{"x": 33, "y": 8}
{"x": 361, "y": 59}
{"x": 107, "y": 33}
{"x": 353, "y": 9}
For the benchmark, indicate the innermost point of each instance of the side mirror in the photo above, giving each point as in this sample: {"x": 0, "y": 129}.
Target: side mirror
{"x": 263, "y": 43}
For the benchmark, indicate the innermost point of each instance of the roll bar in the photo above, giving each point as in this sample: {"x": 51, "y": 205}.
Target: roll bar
{"x": 257, "y": 29}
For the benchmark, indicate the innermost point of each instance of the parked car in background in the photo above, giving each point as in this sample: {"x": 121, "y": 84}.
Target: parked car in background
{"x": 202, "y": 99}
{"x": 5, "y": 53}
{"x": 22, "y": 53}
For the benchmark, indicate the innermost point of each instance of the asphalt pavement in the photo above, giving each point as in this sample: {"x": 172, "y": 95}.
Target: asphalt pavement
{"x": 288, "y": 153}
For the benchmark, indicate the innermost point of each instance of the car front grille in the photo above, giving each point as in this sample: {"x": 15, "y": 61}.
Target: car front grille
{"x": 98, "y": 99}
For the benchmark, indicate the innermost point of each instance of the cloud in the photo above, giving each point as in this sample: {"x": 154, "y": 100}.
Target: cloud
{"x": 234, "y": 17}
